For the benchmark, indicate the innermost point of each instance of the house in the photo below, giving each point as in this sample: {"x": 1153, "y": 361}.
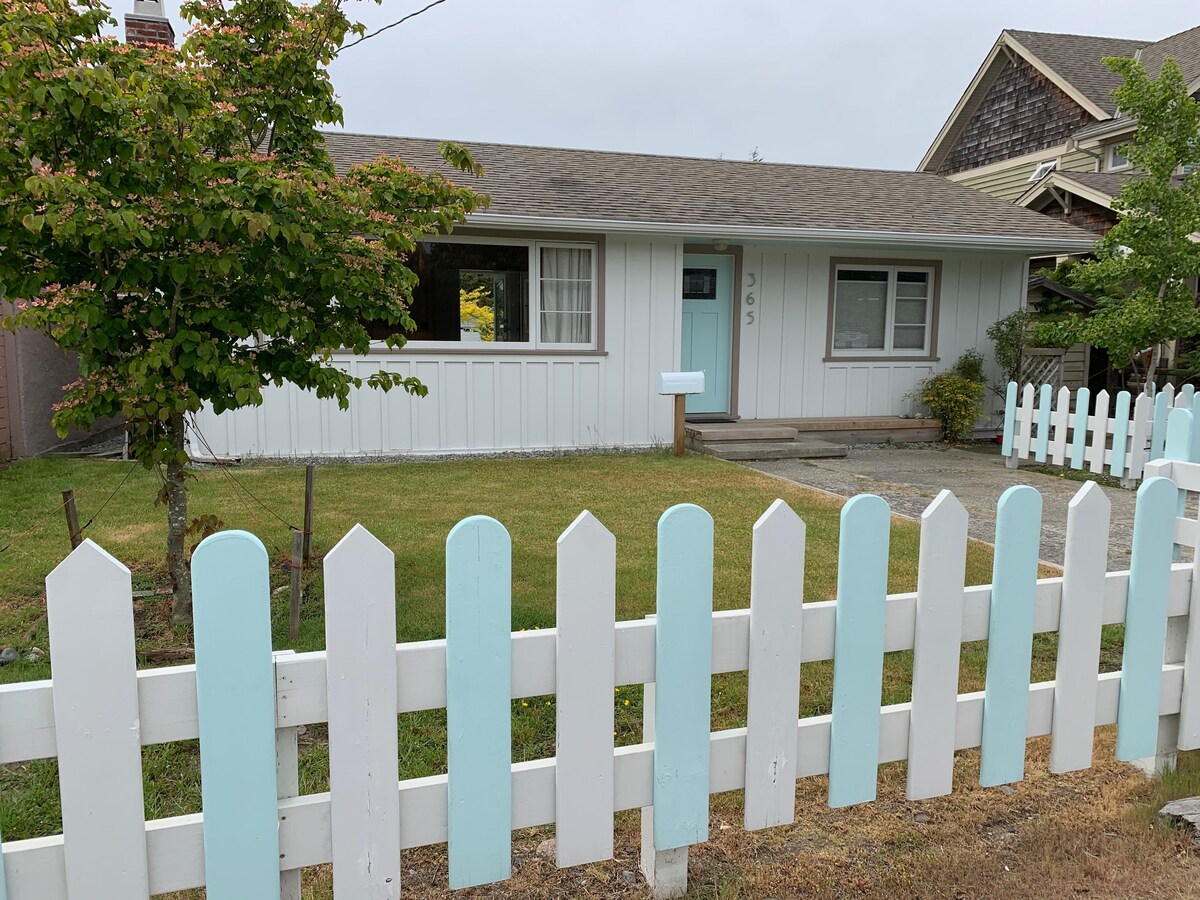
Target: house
{"x": 803, "y": 293}
{"x": 1037, "y": 125}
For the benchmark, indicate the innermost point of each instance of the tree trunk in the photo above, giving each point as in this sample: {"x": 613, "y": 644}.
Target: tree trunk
{"x": 1152, "y": 369}
{"x": 177, "y": 520}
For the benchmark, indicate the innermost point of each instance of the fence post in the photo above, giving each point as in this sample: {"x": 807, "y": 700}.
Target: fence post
{"x": 72, "y": 518}
{"x": 287, "y": 783}
{"x": 297, "y": 565}
{"x": 664, "y": 870}
{"x": 309, "y": 494}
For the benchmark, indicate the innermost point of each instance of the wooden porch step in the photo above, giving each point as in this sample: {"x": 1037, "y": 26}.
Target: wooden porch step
{"x": 799, "y": 448}
{"x": 739, "y": 431}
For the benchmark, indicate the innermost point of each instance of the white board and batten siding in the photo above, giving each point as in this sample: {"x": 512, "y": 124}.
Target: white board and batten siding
{"x": 783, "y": 372}
{"x": 481, "y": 402}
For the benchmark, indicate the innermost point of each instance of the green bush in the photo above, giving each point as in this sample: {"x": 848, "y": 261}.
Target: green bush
{"x": 954, "y": 400}
{"x": 970, "y": 366}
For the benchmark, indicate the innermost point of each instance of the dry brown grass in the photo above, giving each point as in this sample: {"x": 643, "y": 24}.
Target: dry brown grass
{"x": 1083, "y": 835}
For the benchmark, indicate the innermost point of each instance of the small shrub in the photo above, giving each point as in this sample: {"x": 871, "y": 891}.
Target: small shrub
{"x": 954, "y": 400}
{"x": 970, "y": 366}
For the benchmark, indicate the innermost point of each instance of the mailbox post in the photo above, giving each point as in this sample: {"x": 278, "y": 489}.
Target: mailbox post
{"x": 679, "y": 385}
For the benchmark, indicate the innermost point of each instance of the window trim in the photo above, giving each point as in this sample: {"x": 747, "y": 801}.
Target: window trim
{"x": 533, "y": 244}
{"x": 1109, "y": 153}
{"x": 929, "y": 354}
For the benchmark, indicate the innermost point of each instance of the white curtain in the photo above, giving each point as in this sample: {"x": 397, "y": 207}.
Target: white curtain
{"x": 566, "y": 295}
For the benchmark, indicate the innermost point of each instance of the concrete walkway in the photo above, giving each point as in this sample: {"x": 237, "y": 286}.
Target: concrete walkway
{"x": 910, "y": 477}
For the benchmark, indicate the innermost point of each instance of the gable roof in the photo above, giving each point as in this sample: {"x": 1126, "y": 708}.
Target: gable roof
{"x": 1185, "y": 47}
{"x": 1099, "y": 187}
{"x": 1079, "y": 60}
{"x": 579, "y": 190}
{"x": 1073, "y": 63}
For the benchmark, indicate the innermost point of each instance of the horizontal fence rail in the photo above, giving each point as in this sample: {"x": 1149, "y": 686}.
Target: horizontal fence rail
{"x": 1114, "y": 436}
{"x": 245, "y": 702}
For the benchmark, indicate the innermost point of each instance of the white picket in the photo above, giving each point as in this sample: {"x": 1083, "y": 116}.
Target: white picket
{"x": 89, "y": 609}
{"x": 1024, "y": 434}
{"x": 1084, "y": 567}
{"x": 776, "y": 607}
{"x": 585, "y": 660}
{"x": 1058, "y": 423}
{"x": 933, "y": 721}
{"x": 360, "y": 638}
{"x": 1143, "y": 421}
{"x": 1099, "y": 422}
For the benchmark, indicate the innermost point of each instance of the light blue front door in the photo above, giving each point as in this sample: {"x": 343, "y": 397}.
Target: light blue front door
{"x": 707, "y": 320}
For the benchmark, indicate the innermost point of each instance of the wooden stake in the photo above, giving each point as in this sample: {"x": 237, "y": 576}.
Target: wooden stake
{"x": 310, "y": 472}
{"x": 297, "y": 567}
{"x": 72, "y": 518}
{"x": 680, "y": 400}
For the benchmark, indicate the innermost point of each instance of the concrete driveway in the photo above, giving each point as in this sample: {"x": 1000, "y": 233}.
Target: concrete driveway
{"x": 910, "y": 477}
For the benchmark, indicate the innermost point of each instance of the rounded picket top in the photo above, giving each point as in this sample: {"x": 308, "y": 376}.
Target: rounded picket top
{"x": 477, "y": 528}
{"x": 1157, "y": 494}
{"x": 1179, "y": 435}
{"x": 358, "y": 547}
{"x": 234, "y": 545}
{"x": 586, "y": 528}
{"x": 1020, "y": 499}
{"x": 1090, "y": 498}
{"x": 865, "y": 508}
{"x": 682, "y": 515}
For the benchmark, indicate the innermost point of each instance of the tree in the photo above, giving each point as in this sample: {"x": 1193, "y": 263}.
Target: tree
{"x": 1143, "y": 265}
{"x": 171, "y": 216}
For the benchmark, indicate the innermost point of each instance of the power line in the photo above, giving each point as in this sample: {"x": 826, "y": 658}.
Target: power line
{"x": 399, "y": 21}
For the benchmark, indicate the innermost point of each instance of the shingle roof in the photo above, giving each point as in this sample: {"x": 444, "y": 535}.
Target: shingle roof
{"x": 1185, "y": 47}
{"x": 1079, "y": 60}
{"x": 547, "y": 183}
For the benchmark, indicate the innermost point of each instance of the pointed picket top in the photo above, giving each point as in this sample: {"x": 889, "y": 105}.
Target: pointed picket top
{"x": 88, "y": 557}
{"x": 585, "y": 654}
{"x": 936, "y": 645}
{"x": 360, "y": 642}
{"x": 776, "y": 614}
{"x": 585, "y": 527}
{"x": 89, "y": 610}
{"x": 1084, "y": 566}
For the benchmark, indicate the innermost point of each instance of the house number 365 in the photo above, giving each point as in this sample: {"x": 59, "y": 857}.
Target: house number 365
{"x": 750, "y": 298}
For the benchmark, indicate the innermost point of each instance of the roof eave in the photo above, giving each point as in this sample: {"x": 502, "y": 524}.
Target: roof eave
{"x": 1040, "y": 244}
{"x": 1064, "y": 182}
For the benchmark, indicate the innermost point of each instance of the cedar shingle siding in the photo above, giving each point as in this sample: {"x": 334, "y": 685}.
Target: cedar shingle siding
{"x": 1084, "y": 214}
{"x": 1022, "y": 112}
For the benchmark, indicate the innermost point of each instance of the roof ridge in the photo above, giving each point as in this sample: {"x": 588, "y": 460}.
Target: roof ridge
{"x": 638, "y": 154}
{"x": 1094, "y": 37}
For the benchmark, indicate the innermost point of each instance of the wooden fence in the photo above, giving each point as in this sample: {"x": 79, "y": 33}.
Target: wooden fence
{"x": 245, "y": 703}
{"x": 1117, "y": 439}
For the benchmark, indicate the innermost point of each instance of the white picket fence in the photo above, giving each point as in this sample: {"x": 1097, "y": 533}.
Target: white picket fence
{"x": 1116, "y": 438}
{"x": 244, "y": 703}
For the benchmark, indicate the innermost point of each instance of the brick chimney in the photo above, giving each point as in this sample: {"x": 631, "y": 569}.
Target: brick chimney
{"x": 148, "y": 25}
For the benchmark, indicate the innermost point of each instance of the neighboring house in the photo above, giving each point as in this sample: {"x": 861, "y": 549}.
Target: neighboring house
{"x": 802, "y": 292}
{"x": 1037, "y": 125}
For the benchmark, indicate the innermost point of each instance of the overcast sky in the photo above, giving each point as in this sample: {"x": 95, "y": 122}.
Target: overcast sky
{"x": 832, "y": 82}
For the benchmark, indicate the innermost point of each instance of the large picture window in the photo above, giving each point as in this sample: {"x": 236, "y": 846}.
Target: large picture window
{"x": 882, "y": 310}
{"x": 481, "y": 293}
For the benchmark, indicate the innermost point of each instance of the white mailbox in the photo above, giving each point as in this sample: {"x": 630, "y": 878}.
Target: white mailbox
{"x": 681, "y": 382}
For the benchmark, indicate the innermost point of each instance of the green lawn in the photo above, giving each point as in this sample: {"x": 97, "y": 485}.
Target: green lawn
{"x": 411, "y": 507}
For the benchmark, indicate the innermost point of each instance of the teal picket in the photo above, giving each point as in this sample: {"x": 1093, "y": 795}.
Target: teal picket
{"x": 479, "y": 701}
{"x": 859, "y": 620}
{"x": 1158, "y": 434}
{"x": 1188, "y": 393}
{"x": 1010, "y": 636}
{"x": 1120, "y": 435}
{"x": 1146, "y": 618}
{"x": 1083, "y": 399}
{"x": 1010, "y": 418}
{"x": 682, "y": 676}
{"x": 1043, "y": 436}
{"x": 235, "y": 700}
